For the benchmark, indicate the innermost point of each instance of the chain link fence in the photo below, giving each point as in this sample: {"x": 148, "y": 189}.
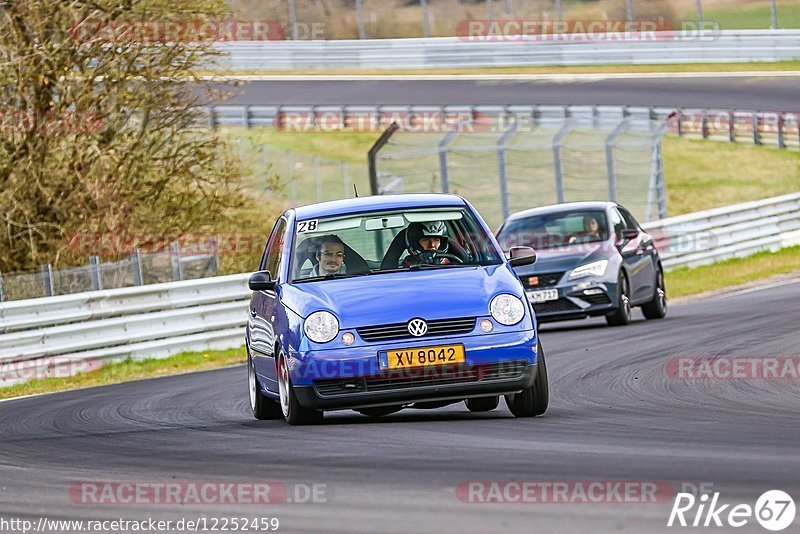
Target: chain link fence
{"x": 507, "y": 163}
{"x": 139, "y": 269}
{"x": 300, "y": 178}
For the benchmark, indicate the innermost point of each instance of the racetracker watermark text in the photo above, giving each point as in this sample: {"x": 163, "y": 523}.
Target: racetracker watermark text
{"x": 733, "y": 368}
{"x": 564, "y": 491}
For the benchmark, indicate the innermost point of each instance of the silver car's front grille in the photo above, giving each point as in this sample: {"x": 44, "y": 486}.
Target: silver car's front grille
{"x": 440, "y": 327}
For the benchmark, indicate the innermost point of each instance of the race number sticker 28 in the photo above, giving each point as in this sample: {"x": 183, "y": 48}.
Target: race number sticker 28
{"x": 307, "y": 226}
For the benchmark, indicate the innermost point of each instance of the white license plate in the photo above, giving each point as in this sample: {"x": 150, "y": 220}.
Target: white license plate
{"x": 535, "y": 297}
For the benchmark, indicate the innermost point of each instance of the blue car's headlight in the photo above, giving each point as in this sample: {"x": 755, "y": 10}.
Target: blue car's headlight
{"x": 507, "y": 309}
{"x": 321, "y": 326}
{"x": 596, "y": 268}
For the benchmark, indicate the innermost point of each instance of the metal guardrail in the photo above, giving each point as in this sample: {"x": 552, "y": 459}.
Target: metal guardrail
{"x": 733, "y": 231}
{"x": 447, "y": 52}
{"x": 65, "y": 334}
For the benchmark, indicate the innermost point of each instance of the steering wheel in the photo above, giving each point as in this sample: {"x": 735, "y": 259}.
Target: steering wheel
{"x": 435, "y": 255}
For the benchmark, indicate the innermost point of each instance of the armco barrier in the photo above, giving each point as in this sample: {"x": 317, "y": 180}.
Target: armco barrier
{"x": 733, "y": 231}
{"x": 449, "y": 52}
{"x": 75, "y": 332}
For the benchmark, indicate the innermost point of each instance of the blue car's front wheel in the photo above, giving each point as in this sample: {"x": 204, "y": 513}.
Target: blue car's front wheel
{"x": 291, "y": 409}
{"x": 262, "y": 406}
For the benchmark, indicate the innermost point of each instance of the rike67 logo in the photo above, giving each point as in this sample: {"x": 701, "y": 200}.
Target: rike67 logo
{"x": 774, "y": 510}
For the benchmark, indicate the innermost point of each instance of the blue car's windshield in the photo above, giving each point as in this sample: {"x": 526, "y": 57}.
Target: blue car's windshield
{"x": 377, "y": 242}
{"x": 552, "y": 230}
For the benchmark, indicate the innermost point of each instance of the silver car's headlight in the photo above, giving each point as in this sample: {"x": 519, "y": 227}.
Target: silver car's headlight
{"x": 596, "y": 268}
{"x": 321, "y": 326}
{"x": 507, "y": 309}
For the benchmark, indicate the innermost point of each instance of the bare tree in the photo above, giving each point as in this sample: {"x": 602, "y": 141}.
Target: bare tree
{"x": 101, "y": 124}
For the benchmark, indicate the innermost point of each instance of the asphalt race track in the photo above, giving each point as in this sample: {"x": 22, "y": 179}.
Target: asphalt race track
{"x": 762, "y": 93}
{"x": 615, "y": 414}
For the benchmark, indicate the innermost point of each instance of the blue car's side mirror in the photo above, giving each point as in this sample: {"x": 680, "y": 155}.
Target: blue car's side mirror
{"x": 518, "y": 256}
{"x": 262, "y": 281}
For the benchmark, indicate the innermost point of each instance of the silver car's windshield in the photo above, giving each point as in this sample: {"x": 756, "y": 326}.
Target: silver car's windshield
{"x": 377, "y": 242}
{"x": 552, "y": 230}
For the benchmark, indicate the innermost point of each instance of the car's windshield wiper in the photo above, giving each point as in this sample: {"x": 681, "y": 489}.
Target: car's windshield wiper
{"x": 329, "y": 276}
{"x": 443, "y": 265}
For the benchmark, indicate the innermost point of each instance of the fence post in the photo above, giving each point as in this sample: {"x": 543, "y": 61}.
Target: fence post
{"x": 94, "y": 271}
{"x": 136, "y": 266}
{"x": 443, "y": 171}
{"x": 490, "y": 9}
{"x": 610, "y": 171}
{"x": 502, "y": 146}
{"x": 345, "y": 179}
{"x": 756, "y": 132}
{"x": 629, "y": 10}
{"x": 680, "y": 123}
{"x": 317, "y": 177}
{"x": 175, "y": 258}
{"x": 699, "y": 14}
{"x": 215, "y": 257}
{"x": 559, "y": 171}
{"x": 47, "y": 279}
{"x": 732, "y": 126}
{"x": 2, "y": 293}
{"x": 426, "y": 23}
{"x": 559, "y": 11}
{"x": 774, "y": 14}
{"x": 362, "y": 32}
{"x": 781, "y": 140}
{"x": 290, "y": 161}
{"x": 293, "y": 19}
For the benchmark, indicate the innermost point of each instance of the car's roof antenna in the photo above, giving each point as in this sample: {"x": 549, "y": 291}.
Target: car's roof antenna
{"x": 355, "y": 190}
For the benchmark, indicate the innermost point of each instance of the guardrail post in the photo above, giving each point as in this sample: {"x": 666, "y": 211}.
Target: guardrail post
{"x": 175, "y": 258}
{"x": 246, "y": 117}
{"x": 136, "y": 266}
{"x": 212, "y": 117}
{"x": 756, "y": 132}
{"x": 781, "y": 140}
{"x": 47, "y": 279}
{"x": 2, "y": 293}
{"x": 732, "y": 126}
{"x": 704, "y": 124}
{"x": 680, "y": 123}
{"x": 94, "y": 271}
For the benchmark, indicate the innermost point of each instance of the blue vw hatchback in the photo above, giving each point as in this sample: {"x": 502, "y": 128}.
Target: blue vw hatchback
{"x": 379, "y": 303}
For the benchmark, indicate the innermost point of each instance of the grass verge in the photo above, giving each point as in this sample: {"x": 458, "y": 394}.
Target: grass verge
{"x": 685, "y": 282}
{"x": 579, "y": 69}
{"x": 128, "y": 370}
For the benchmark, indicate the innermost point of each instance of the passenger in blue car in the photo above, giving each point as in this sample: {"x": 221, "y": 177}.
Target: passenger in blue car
{"x": 424, "y": 241}
{"x": 330, "y": 257}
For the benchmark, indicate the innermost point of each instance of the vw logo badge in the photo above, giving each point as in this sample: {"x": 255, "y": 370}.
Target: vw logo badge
{"x": 417, "y": 327}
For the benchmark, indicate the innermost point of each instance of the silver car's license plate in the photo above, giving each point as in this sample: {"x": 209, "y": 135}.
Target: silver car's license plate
{"x": 535, "y": 297}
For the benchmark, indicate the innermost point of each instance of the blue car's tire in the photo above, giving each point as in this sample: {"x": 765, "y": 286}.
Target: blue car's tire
{"x": 622, "y": 314}
{"x": 483, "y": 404}
{"x": 262, "y": 406}
{"x": 534, "y": 400}
{"x": 292, "y": 411}
{"x": 657, "y": 308}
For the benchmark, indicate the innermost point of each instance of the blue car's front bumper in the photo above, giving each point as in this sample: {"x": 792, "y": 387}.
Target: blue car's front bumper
{"x": 349, "y": 378}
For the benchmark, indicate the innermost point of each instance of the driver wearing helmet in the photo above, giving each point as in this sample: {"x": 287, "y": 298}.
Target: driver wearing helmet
{"x": 424, "y": 241}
